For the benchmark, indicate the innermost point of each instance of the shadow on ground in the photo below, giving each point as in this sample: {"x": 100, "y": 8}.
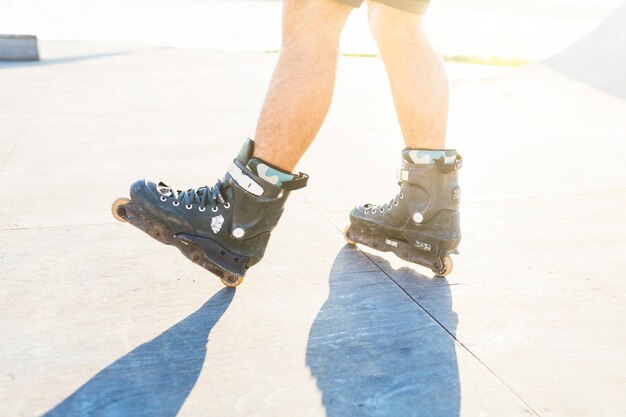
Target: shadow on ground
{"x": 375, "y": 352}
{"x": 156, "y": 378}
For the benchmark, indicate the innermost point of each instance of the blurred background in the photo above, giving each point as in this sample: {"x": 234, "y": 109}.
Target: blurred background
{"x": 462, "y": 30}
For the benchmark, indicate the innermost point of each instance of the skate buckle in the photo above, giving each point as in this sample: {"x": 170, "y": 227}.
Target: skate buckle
{"x": 245, "y": 181}
{"x": 402, "y": 174}
{"x": 458, "y": 163}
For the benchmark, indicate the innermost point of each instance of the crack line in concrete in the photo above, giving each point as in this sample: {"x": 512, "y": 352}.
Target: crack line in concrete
{"x": 453, "y": 336}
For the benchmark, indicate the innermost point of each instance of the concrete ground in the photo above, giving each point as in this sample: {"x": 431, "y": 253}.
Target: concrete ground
{"x": 98, "y": 319}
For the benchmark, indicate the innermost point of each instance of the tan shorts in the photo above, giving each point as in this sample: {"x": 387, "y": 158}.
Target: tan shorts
{"x": 413, "y": 6}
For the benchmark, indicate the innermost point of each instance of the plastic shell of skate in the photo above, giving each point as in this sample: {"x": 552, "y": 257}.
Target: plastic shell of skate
{"x": 118, "y": 209}
{"x": 441, "y": 266}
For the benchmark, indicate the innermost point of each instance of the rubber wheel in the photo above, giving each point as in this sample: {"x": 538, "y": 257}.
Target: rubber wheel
{"x": 345, "y": 236}
{"x": 232, "y": 281}
{"x": 446, "y": 266}
{"x": 115, "y": 208}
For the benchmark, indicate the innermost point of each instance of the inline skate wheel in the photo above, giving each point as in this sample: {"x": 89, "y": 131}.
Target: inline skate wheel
{"x": 345, "y": 236}
{"x": 232, "y": 281}
{"x": 117, "y": 209}
{"x": 445, "y": 268}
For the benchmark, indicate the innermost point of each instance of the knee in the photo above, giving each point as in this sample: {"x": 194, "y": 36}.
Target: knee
{"x": 311, "y": 21}
{"x": 391, "y": 24}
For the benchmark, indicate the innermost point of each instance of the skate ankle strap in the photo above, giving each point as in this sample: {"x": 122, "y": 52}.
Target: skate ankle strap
{"x": 412, "y": 172}
{"x": 447, "y": 168}
{"x": 248, "y": 183}
{"x": 298, "y": 182}
{"x": 245, "y": 181}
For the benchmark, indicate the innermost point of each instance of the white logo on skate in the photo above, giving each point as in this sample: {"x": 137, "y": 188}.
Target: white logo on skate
{"x": 423, "y": 246}
{"x": 391, "y": 243}
{"x": 216, "y": 223}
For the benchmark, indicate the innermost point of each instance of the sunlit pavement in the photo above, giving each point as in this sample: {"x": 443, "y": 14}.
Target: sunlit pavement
{"x": 98, "y": 319}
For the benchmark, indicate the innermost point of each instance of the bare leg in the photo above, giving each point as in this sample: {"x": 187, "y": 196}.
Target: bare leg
{"x": 301, "y": 89}
{"x": 418, "y": 80}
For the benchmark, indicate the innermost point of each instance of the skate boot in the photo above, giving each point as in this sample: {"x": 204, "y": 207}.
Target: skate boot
{"x": 224, "y": 228}
{"x": 421, "y": 223}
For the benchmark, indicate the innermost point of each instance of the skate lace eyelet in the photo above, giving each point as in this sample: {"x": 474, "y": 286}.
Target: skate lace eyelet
{"x": 227, "y": 205}
{"x": 367, "y": 212}
{"x": 374, "y": 211}
{"x": 401, "y": 195}
{"x": 176, "y": 203}
{"x": 201, "y": 208}
{"x": 396, "y": 204}
{"x": 188, "y": 206}
{"x": 163, "y": 198}
{"x": 214, "y": 209}
{"x": 382, "y": 209}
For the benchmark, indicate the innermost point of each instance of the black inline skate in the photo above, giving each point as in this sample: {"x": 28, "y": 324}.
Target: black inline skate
{"x": 421, "y": 224}
{"x": 224, "y": 228}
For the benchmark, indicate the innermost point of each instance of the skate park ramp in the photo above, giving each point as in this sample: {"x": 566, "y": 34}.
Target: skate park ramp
{"x": 600, "y": 58}
{"x": 98, "y": 319}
